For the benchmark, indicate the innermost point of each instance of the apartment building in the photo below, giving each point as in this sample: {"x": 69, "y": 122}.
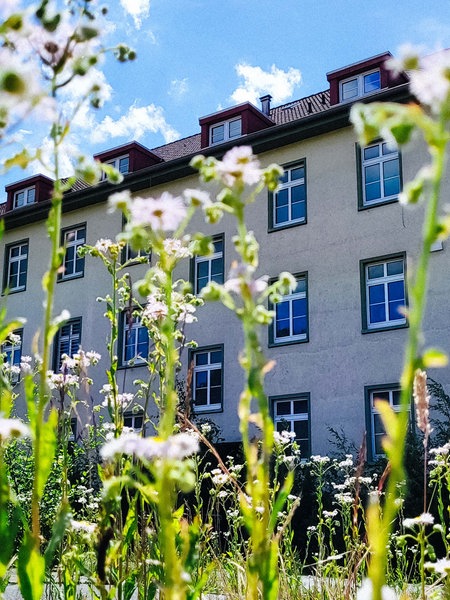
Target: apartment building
{"x": 335, "y": 223}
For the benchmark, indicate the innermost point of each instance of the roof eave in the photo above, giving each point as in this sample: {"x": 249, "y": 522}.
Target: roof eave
{"x": 265, "y": 140}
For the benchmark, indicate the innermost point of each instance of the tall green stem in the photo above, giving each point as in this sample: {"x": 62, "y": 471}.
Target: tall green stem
{"x": 411, "y": 362}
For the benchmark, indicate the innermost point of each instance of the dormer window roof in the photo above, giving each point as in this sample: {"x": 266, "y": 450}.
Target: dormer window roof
{"x": 362, "y": 79}
{"x": 232, "y": 123}
{"x": 129, "y": 158}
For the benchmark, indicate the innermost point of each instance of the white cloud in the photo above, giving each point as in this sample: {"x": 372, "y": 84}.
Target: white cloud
{"x": 138, "y": 121}
{"x": 138, "y": 9}
{"x": 80, "y": 113}
{"x": 276, "y": 82}
{"x": 178, "y": 88}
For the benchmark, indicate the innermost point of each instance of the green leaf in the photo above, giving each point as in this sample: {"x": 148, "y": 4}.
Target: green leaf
{"x": 281, "y": 500}
{"x": 402, "y": 132}
{"x": 47, "y": 450}
{"x": 29, "y": 390}
{"x": 433, "y": 358}
{"x": 8, "y": 524}
{"x": 390, "y": 422}
{"x": 30, "y": 569}
{"x": 22, "y": 160}
{"x": 8, "y": 328}
{"x": 58, "y": 531}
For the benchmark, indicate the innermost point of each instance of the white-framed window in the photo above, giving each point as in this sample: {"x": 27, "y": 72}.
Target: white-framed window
{"x": 24, "y": 197}
{"x": 227, "y": 130}
{"x": 291, "y": 413}
{"x": 67, "y": 341}
{"x": 121, "y": 163}
{"x": 12, "y": 352}
{"x": 209, "y": 268}
{"x": 289, "y": 201}
{"x": 390, "y": 394}
{"x": 135, "y": 340}
{"x": 73, "y": 239}
{"x": 380, "y": 169}
{"x": 135, "y": 255}
{"x": 207, "y": 379}
{"x": 134, "y": 420}
{"x": 385, "y": 293}
{"x": 290, "y": 323}
{"x": 16, "y": 267}
{"x": 360, "y": 85}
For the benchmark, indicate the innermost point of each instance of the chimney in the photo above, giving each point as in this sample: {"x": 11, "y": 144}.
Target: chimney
{"x": 265, "y": 104}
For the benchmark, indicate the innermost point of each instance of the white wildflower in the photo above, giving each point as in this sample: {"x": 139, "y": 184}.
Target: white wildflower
{"x": 155, "y": 309}
{"x": 83, "y": 526}
{"x": 239, "y": 165}
{"x": 320, "y": 459}
{"x": 197, "y": 198}
{"x": 122, "y": 400}
{"x": 242, "y": 275}
{"x": 13, "y": 428}
{"x": 442, "y": 566}
{"x": 104, "y": 246}
{"x": 407, "y": 59}
{"x": 365, "y": 592}
{"x": 441, "y": 451}
{"x": 423, "y": 519}
{"x": 162, "y": 214}
{"x": 186, "y": 314}
{"x": 176, "y": 447}
{"x": 62, "y": 381}
{"x": 220, "y": 478}
{"x": 14, "y": 339}
{"x": 119, "y": 201}
{"x": 205, "y": 428}
{"x": 176, "y": 249}
{"x": 345, "y": 498}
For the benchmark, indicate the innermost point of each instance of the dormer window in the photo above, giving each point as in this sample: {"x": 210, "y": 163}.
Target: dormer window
{"x": 121, "y": 163}
{"x": 363, "y": 79}
{"x": 128, "y": 158}
{"x": 228, "y": 130}
{"x": 361, "y": 85}
{"x": 232, "y": 123}
{"x": 24, "y": 197}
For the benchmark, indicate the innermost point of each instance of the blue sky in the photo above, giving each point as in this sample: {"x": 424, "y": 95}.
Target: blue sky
{"x": 197, "y": 56}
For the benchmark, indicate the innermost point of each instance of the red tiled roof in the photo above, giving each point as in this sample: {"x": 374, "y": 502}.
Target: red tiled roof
{"x": 299, "y": 109}
{"x": 286, "y": 113}
{"x": 183, "y": 147}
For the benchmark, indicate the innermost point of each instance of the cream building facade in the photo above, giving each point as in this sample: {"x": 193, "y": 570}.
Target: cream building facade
{"x": 335, "y": 223}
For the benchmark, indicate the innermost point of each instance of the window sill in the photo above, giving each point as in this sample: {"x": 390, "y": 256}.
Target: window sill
{"x": 8, "y": 292}
{"x": 207, "y": 409}
{"x": 136, "y": 364}
{"x": 287, "y": 225}
{"x": 384, "y": 328}
{"x": 69, "y": 278}
{"x": 288, "y": 342}
{"x": 378, "y": 203}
